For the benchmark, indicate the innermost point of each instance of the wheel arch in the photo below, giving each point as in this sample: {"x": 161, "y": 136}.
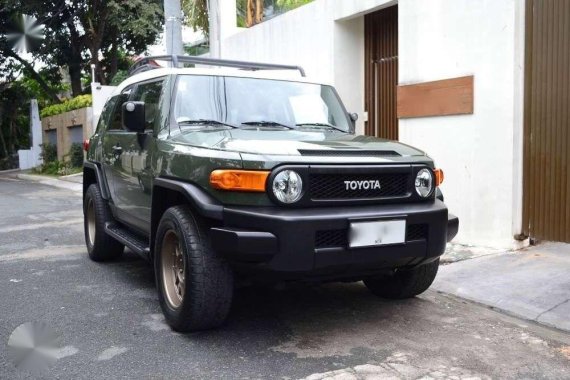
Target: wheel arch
{"x": 92, "y": 174}
{"x": 167, "y": 193}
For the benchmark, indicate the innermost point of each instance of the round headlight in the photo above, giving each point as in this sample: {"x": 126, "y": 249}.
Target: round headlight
{"x": 424, "y": 183}
{"x": 287, "y": 186}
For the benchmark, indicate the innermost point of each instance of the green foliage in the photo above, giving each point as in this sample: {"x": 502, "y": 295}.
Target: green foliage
{"x": 51, "y": 168}
{"x": 197, "y": 49}
{"x": 76, "y": 155}
{"x": 73, "y": 161}
{"x": 196, "y": 15}
{"x": 48, "y": 153}
{"x": 79, "y": 33}
{"x": 119, "y": 77}
{"x": 271, "y": 8}
{"x": 9, "y": 163}
{"x": 14, "y": 117}
{"x": 36, "y": 91}
{"x": 78, "y": 102}
{"x": 287, "y": 5}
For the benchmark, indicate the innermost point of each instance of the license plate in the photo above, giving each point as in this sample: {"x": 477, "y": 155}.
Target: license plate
{"x": 367, "y": 234}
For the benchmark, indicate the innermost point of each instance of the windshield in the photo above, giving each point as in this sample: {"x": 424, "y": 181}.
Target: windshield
{"x": 257, "y": 102}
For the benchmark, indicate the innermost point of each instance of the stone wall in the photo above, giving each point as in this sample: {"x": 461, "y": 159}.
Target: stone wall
{"x": 64, "y": 125}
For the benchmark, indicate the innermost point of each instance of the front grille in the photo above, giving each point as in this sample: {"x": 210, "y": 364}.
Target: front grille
{"x": 416, "y": 232}
{"x": 331, "y": 239}
{"x": 339, "y": 238}
{"x": 332, "y": 186}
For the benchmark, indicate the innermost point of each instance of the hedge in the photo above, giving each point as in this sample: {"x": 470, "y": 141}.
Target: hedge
{"x": 80, "y": 101}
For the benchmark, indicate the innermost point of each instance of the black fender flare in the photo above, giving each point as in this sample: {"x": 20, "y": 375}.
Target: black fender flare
{"x": 200, "y": 201}
{"x": 99, "y": 178}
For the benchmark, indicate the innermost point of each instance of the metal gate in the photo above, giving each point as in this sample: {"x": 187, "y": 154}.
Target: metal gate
{"x": 381, "y": 72}
{"x": 546, "y": 211}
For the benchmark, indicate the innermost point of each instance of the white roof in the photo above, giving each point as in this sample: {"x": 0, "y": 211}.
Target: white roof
{"x": 286, "y": 75}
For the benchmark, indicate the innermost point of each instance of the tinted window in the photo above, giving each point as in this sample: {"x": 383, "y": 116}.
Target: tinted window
{"x": 236, "y": 100}
{"x": 116, "y": 122}
{"x": 150, "y": 94}
{"x": 106, "y": 114}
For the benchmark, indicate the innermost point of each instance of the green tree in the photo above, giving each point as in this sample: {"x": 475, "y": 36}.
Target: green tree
{"x": 78, "y": 33}
{"x": 196, "y": 15}
{"x": 14, "y": 117}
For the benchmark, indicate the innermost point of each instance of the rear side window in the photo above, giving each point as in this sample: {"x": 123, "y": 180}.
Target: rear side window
{"x": 106, "y": 114}
{"x": 150, "y": 93}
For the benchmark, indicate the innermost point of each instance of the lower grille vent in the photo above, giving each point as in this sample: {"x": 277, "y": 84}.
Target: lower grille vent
{"x": 331, "y": 239}
{"x": 339, "y": 238}
{"x": 416, "y": 232}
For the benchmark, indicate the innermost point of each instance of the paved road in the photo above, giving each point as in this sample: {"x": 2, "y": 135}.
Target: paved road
{"x": 111, "y": 325}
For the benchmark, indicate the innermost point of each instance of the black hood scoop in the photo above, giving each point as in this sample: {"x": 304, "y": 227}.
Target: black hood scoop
{"x": 348, "y": 153}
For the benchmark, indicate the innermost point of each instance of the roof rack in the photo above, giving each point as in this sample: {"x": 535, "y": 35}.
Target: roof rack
{"x": 146, "y": 63}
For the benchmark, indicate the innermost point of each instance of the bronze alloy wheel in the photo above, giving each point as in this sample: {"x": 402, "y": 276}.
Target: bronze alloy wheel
{"x": 173, "y": 269}
{"x": 91, "y": 222}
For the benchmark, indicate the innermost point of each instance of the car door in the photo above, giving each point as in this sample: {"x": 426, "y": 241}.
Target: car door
{"x": 132, "y": 172}
{"x": 110, "y": 156}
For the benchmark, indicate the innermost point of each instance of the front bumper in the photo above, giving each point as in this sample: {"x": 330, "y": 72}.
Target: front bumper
{"x": 314, "y": 241}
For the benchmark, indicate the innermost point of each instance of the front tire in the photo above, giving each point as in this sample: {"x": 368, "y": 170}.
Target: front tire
{"x": 405, "y": 283}
{"x": 96, "y": 213}
{"x": 195, "y": 285}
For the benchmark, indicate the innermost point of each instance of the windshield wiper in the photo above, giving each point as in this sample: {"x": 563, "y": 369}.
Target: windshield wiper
{"x": 320, "y": 125}
{"x": 205, "y": 122}
{"x": 264, "y": 123}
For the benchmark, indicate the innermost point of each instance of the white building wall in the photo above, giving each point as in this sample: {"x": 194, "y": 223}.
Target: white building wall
{"x": 348, "y": 69}
{"x": 302, "y": 37}
{"x": 100, "y": 95}
{"x": 30, "y": 158}
{"x": 450, "y": 38}
{"x": 438, "y": 39}
{"x": 325, "y": 37}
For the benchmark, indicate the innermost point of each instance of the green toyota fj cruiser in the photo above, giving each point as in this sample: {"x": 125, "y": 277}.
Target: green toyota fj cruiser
{"x": 214, "y": 174}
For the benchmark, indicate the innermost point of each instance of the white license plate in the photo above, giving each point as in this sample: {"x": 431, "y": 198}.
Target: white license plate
{"x": 366, "y": 234}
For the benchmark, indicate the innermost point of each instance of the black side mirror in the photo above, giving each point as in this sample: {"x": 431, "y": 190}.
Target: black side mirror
{"x": 353, "y": 116}
{"x": 134, "y": 116}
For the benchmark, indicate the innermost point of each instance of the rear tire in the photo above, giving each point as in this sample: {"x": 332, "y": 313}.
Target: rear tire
{"x": 404, "y": 284}
{"x": 96, "y": 213}
{"x": 195, "y": 285}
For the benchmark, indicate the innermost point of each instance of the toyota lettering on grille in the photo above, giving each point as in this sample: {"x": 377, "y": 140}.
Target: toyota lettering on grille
{"x": 371, "y": 184}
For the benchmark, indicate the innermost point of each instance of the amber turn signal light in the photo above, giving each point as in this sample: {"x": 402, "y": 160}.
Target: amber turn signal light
{"x": 239, "y": 180}
{"x": 438, "y": 174}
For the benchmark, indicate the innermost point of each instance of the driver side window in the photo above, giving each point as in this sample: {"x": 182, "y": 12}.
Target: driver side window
{"x": 150, "y": 93}
{"x": 116, "y": 122}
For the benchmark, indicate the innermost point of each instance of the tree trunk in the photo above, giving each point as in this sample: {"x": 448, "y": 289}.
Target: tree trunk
{"x": 249, "y": 12}
{"x": 112, "y": 68}
{"x": 75, "y": 60}
{"x": 258, "y": 11}
{"x": 4, "y": 148}
{"x": 75, "y": 77}
{"x": 2, "y": 141}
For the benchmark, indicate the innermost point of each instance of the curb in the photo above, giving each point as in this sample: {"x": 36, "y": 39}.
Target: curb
{"x": 7, "y": 171}
{"x": 62, "y": 184}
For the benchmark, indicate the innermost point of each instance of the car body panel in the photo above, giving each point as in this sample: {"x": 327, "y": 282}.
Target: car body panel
{"x": 189, "y": 155}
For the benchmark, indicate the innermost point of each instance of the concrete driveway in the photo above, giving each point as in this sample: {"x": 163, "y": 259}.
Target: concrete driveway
{"x": 111, "y": 326}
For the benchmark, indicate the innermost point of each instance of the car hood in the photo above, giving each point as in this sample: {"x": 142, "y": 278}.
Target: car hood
{"x": 289, "y": 142}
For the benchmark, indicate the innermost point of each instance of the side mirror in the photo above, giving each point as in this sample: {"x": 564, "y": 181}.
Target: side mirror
{"x": 353, "y": 116}
{"x": 134, "y": 116}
